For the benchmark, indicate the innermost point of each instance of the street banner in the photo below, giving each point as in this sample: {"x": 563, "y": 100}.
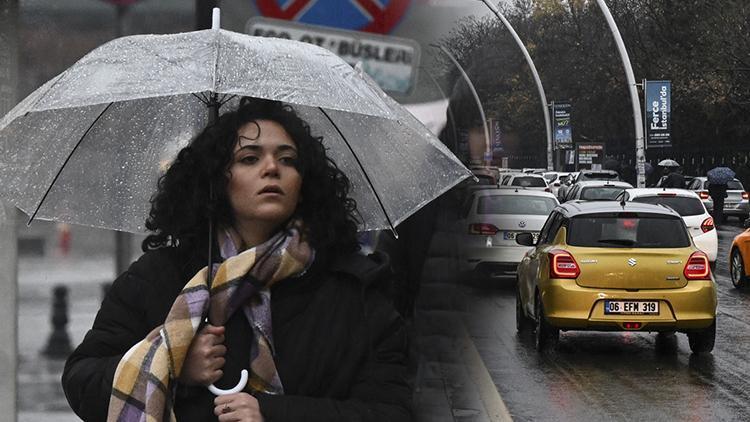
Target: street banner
{"x": 496, "y": 137}
{"x": 563, "y": 131}
{"x": 391, "y": 61}
{"x": 658, "y": 110}
{"x": 589, "y": 156}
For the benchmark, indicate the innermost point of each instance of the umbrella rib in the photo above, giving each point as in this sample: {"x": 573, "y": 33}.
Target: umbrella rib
{"x": 49, "y": 188}
{"x": 361, "y": 167}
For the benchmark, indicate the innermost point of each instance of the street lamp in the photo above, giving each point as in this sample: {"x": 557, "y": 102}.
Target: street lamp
{"x": 538, "y": 81}
{"x": 640, "y": 152}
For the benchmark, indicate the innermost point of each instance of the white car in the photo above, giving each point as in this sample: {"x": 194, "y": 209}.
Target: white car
{"x": 688, "y": 204}
{"x": 489, "y": 222}
{"x": 526, "y": 180}
{"x": 737, "y": 202}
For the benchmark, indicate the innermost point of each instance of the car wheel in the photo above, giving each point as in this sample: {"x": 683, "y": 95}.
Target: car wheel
{"x": 546, "y": 335}
{"x": 703, "y": 341}
{"x": 523, "y": 322}
{"x": 737, "y": 269}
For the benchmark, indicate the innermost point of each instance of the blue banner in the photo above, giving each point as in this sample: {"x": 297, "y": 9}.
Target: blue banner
{"x": 658, "y": 110}
{"x": 561, "y": 122}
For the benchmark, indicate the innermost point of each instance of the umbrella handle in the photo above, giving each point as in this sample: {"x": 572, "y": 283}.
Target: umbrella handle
{"x": 236, "y": 389}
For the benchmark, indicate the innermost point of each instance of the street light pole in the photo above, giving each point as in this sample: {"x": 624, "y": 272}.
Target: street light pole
{"x": 487, "y": 146}
{"x": 640, "y": 152}
{"x": 538, "y": 81}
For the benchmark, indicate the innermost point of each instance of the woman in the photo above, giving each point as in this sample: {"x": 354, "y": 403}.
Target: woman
{"x": 303, "y": 314}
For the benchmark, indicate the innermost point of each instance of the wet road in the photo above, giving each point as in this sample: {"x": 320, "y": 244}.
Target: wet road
{"x": 617, "y": 376}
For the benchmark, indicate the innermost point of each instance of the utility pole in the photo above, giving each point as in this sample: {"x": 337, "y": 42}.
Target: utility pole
{"x": 8, "y": 234}
{"x": 535, "y": 74}
{"x": 640, "y": 151}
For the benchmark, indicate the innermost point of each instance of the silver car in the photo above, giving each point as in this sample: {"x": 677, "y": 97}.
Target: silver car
{"x": 489, "y": 222}
{"x": 736, "y": 202}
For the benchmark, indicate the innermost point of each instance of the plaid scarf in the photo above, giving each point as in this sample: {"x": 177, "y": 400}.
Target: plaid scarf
{"x": 142, "y": 389}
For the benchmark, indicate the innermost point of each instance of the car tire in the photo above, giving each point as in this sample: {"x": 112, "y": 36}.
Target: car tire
{"x": 546, "y": 336}
{"x": 523, "y": 322}
{"x": 703, "y": 341}
{"x": 737, "y": 269}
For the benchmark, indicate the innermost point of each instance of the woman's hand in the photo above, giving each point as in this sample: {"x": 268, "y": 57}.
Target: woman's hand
{"x": 205, "y": 358}
{"x": 238, "y": 407}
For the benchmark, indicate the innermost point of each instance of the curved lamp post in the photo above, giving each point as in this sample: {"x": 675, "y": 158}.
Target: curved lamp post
{"x": 538, "y": 81}
{"x": 488, "y": 148}
{"x": 640, "y": 152}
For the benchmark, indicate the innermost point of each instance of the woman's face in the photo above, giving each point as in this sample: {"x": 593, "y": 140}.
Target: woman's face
{"x": 264, "y": 185}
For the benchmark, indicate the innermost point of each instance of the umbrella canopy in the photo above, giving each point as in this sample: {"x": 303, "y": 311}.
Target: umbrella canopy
{"x": 89, "y": 145}
{"x": 720, "y": 175}
{"x": 669, "y": 163}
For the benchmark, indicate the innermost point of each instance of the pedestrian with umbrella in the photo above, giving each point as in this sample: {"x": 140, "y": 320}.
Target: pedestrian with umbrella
{"x": 672, "y": 178}
{"x": 718, "y": 177}
{"x": 250, "y": 283}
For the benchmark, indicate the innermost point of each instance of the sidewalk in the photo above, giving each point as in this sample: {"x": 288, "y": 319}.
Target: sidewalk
{"x": 452, "y": 383}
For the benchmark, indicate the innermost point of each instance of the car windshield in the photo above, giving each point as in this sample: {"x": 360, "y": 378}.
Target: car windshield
{"x": 515, "y": 204}
{"x": 627, "y": 230}
{"x": 606, "y": 193}
{"x": 683, "y": 205}
{"x": 529, "y": 182}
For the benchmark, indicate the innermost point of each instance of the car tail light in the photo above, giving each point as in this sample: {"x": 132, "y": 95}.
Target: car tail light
{"x": 697, "y": 267}
{"x": 562, "y": 264}
{"x": 632, "y": 325}
{"x": 707, "y": 225}
{"x": 484, "y": 229}
{"x": 547, "y": 190}
{"x": 745, "y": 195}
{"x": 668, "y": 194}
{"x": 703, "y": 194}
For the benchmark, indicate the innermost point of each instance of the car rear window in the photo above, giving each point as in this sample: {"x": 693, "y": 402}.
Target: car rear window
{"x": 734, "y": 185}
{"x": 484, "y": 179}
{"x": 627, "y": 230}
{"x": 599, "y": 176}
{"x": 606, "y": 193}
{"x": 529, "y": 182}
{"x": 515, "y": 204}
{"x": 683, "y": 205}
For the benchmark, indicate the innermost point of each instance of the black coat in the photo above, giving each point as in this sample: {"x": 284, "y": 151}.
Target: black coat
{"x": 673, "y": 180}
{"x": 340, "y": 346}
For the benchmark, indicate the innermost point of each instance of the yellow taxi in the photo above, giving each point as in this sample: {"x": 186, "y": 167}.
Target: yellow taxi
{"x": 615, "y": 266}
{"x": 739, "y": 258}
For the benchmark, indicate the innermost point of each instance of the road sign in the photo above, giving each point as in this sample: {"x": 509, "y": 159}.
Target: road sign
{"x": 377, "y": 16}
{"x": 392, "y": 62}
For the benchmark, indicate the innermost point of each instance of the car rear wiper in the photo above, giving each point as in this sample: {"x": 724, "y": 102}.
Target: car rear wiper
{"x": 624, "y": 242}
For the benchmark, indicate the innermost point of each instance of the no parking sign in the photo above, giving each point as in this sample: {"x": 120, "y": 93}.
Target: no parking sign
{"x": 378, "y": 16}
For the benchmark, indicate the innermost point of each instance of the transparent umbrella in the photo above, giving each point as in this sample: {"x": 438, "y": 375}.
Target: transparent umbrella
{"x": 89, "y": 145}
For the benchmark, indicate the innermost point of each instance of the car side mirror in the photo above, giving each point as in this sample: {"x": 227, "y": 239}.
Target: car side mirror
{"x": 525, "y": 239}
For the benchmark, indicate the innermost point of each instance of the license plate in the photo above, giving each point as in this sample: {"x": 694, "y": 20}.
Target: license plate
{"x": 512, "y": 235}
{"x": 631, "y": 307}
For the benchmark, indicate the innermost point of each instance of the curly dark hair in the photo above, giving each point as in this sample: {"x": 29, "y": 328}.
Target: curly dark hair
{"x": 180, "y": 209}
